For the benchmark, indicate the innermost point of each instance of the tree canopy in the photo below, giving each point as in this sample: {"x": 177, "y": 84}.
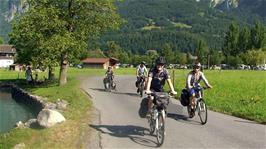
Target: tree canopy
{"x": 55, "y": 32}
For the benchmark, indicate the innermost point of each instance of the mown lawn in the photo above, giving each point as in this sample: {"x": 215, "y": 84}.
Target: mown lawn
{"x": 235, "y": 92}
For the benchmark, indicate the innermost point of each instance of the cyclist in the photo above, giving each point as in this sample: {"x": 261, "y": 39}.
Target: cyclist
{"x": 141, "y": 72}
{"x": 192, "y": 84}
{"x": 156, "y": 80}
{"x": 109, "y": 73}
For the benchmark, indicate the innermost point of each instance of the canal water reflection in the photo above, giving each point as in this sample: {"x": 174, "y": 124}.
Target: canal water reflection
{"x": 12, "y": 112}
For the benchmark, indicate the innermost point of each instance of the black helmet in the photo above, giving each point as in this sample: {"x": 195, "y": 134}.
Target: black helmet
{"x": 197, "y": 65}
{"x": 160, "y": 60}
{"x": 143, "y": 62}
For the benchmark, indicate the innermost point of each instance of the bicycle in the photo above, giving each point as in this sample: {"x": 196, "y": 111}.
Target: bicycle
{"x": 200, "y": 106}
{"x": 141, "y": 85}
{"x": 109, "y": 83}
{"x": 157, "y": 116}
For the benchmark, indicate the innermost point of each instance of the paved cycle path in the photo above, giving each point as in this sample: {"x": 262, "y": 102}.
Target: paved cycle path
{"x": 116, "y": 123}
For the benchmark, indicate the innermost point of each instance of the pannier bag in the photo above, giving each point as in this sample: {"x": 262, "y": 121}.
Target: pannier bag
{"x": 184, "y": 97}
{"x": 162, "y": 99}
{"x": 143, "y": 109}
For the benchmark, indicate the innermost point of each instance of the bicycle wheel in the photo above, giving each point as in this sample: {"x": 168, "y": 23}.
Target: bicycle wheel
{"x": 109, "y": 87}
{"x": 202, "y": 111}
{"x": 161, "y": 129}
{"x": 152, "y": 125}
{"x": 141, "y": 89}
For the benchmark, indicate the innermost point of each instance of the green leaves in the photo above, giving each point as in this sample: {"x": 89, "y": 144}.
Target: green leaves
{"x": 54, "y": 29}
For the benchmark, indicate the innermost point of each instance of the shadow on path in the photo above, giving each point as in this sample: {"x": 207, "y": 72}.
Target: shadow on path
{"x": 116, "y": 92}
{"x": 134, "y": 133}
{"x": 246, "y": 121}
{"x": 175, "y": 112}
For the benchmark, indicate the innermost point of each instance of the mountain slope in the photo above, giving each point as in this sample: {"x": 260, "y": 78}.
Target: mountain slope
{"x": 152, "y": 23}
{"x": 182, "y": 23}
{"x": 8, "y": 10}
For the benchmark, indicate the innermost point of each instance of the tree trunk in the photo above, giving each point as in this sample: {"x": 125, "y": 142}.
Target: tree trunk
{"x": 50, "y": 73}
{"x": 63, "y": 70}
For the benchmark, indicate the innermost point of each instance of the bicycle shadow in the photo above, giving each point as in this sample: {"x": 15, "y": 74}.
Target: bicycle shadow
{"x": 99, "y": 89}
{"x": 176, "y": 112}
{"x": 115, "y": 92}
{"x": 130, "y": 94}
{"x": 134, "y": 133}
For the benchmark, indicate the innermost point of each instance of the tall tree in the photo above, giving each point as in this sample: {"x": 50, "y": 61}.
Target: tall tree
{"x": 216, "y": 57}
{"x": 151, "y": 56}
{"x": 231, "y": 40}
{"x": 180, "y": 58}
{"x": 56, "y": 31}
{"x": 254, "y": 57}
{"x": 258, "y": 36}
{"x": 168, "y": 53}
{"x": 114, "y": 50}
{"x": 202, "y": 52}
{"x": 244, "y": 40}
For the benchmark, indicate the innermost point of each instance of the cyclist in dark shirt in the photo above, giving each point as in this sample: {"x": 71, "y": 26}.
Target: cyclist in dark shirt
{"x": 156, "y": 79}
{"x": 109, "y": 73}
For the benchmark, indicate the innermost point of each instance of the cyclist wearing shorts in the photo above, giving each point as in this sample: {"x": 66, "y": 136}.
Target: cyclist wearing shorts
{"x": 193, "y": 79}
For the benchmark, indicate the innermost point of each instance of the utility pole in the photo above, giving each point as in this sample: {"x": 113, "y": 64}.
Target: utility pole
{"x": 173, "y": 73}
{"x": 208, "y": 59}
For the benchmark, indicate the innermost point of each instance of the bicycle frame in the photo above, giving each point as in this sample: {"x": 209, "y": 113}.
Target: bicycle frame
{"x": 158, "y": 115}
{"x": 141, "y": 85}
{"x": 108, "y": 83}
{"x": 200, "y": 107}
{"x": 155, "y": 117}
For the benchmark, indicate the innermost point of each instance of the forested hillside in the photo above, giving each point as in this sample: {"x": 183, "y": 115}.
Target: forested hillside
{"x": 149, "y": 24}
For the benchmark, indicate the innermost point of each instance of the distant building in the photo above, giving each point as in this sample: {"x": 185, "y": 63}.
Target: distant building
{"x": 99, "y": 62}
{"x": 7, "y": 53}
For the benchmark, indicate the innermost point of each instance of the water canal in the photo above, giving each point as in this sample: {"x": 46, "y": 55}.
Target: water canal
{"x": 11, "y": 112}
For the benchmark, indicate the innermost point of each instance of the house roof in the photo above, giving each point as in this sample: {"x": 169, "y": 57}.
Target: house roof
{"x": 96, "y": 60}
{"x": 7, "y": 49}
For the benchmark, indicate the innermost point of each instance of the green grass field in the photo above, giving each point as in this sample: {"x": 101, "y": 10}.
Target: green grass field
{"x": 238, "y": 93}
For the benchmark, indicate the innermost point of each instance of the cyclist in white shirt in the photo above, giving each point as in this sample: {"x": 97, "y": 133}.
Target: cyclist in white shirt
{"x": 193, "y": 79}
{"x": 141, "y": 72}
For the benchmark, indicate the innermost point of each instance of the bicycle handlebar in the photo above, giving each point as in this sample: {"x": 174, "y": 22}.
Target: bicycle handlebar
{"x": 202, "y": 88}
{"x": 154, "y": 93}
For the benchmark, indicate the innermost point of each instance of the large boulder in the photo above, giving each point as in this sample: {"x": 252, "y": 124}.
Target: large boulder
{"x": 47, "y": 118}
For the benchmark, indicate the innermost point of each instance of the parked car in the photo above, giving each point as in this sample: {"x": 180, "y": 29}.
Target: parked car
{"x": 79, "y": 66}
{"x": 241, "y": 66}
